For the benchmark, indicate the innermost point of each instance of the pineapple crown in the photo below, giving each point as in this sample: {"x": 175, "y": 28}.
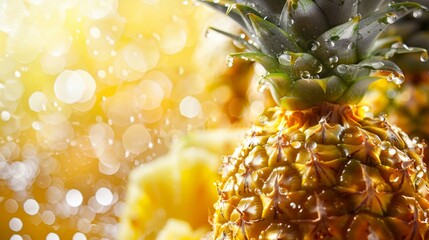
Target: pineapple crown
{"x": 317, "y": 51}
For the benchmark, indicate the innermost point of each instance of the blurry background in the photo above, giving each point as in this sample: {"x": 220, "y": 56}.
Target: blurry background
{"x": 89, "y": 90}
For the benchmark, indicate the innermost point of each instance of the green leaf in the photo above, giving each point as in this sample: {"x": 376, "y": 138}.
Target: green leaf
{"x": 338, "y": 12}
{"x": 298, "y": 64}
{"x": 356, "y": 91}
{"x": 224, "y": 8}
{"x": 366, "y": 7}
{"x": 269, "y": 63}
{"x": 338, "y": 45}
{"x": 273, "y": 40}
{"x": 309, "y": 91}
{"x": 400, "y": 48}
{"x": 351, "y": 72}
{"x": 303, "y": 19}
{"x": 267, "y": 8}
{"x": 279, "y": 85}
{"x": 381, "y": 65}
{"x": 372, "y": 26}
{"x": 335, "y": 88}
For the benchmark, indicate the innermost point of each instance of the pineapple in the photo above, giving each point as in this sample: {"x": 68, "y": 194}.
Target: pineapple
{"x": 407, "y": 106}
{"x": 169, "y": 197}
{"x": 319, "y": 166}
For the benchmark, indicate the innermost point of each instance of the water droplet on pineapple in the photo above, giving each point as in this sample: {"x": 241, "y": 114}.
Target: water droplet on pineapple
{"x": 377, "y": 65}
{"x": 293, "y": 205}
{"x": 305, "y": 75}
{"x": 394, "y": 177}
{"x": 311, "y": 145}
{"x": 385, "y": 145}
{"x": 351, "y": 46}
{"x": 342, "y": 68}
{"x": 424, "y": 57}
{"x": 391, "y": 17}
{"x": 420, "y": 174}
{"x": 392, "y": 151}
{"x": 399, "y": 45}
{"x": 263, "y": 85}
{"x": 229, "y": 61}
{"x": 263, "y": 119}
{"x": 296, "y": 144}
{"x": 333, "y": 60}
{"x": 285, "y": 59}
{"x": 396, "y": 79}
{"x": 416, "y": 140}
{"x": 417, "y": 13}
{"x": 330, "y": 43}
{"x": 314, "y": 45}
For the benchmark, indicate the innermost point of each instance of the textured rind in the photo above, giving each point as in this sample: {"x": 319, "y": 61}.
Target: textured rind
{"x": 341, "y": 177}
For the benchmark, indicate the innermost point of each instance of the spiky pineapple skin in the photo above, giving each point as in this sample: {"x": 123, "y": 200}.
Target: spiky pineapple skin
{"x": 323, "y": 173}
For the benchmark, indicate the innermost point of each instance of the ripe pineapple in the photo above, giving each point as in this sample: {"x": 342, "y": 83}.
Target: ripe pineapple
{"x": 319, "y": 166}
{"x": 407, "y": 106}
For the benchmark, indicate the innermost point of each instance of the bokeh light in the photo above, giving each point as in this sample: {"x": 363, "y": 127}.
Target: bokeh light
{"x": 92, "y": 89}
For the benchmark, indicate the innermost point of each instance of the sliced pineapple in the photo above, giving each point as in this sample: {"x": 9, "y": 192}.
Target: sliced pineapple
{"x": 172, "y": 196}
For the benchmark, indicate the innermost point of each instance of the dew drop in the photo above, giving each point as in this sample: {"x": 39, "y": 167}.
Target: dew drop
{"x": 417, "y": 13}
{"x": 351, "y": 46}
{"x": 424, "y": 56}
{"x": 342, "y": 68}
{"x": 332, "y": 60}
{"x": 296, "y": 144}
{"x": 330, "y": 43}
{"x": 392, "y": 151}
{"x": 385, "y": 145}
{"x": 396, "y": 79}
{"x": 394, "y": 178}
{"x": 420, "y": 174}
{"x": 229, "y": 61}
{"x": 311, "y": 145}
{"x": 314, "y": 45}
{"x": 377, "y": 65}
{"x": 391, "y": 17}
{"x": 263, "y": 85}
{"x": 305, "y": 75}
{"x": 263, "y": 119}
{"x": 285, "y": 59}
